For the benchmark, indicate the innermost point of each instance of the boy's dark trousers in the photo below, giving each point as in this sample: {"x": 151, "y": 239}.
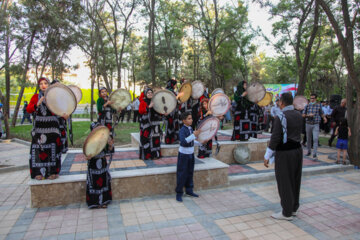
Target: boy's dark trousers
{"x": 185, "y": 173}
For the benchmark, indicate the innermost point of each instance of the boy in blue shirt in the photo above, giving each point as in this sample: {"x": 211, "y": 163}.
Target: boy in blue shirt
{"x": 186, "y": 160}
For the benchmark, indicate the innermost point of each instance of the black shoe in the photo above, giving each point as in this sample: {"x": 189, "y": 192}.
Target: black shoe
{"x": 329, "y": 143}
{"x": 314, "y": 156}
{"x": 179, "y": 197}
{"x": 308, "y": 154}
{"x": 192, "y": 194}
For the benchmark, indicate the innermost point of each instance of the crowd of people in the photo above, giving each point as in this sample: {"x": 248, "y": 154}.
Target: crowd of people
{"x": 49, "y": 137}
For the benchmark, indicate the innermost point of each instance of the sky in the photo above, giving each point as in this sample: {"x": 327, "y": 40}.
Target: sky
{"x": 258, "y": 17}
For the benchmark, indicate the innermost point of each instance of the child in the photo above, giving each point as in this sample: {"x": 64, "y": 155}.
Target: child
{"x": 98, "y": 179}
{"x": 343, "y": 132}
{"x": 186, "y": 160}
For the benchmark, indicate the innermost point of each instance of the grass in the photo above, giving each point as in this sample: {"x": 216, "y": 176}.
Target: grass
{"x": 81, "y": 130}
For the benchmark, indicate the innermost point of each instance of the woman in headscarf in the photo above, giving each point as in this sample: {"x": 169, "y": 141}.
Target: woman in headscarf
{"x": 206, "y": 148}
{"x": 172, "y": 119}
{"x": 105, "y": 112}
{"x": 45, "y": 149}
{"x": 243, "y": 128}
{"x": 98, "y": 179}
{"x": 149, "y": 127}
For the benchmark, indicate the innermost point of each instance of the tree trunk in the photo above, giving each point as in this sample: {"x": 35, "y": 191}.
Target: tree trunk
{"x": 212, "y": 70}
{"x": 151, "y": 43}
{"x": 92, "y": 68}
{"x": 353, "y": 116}
{"x": 23, "y": 80}
{"x": 6, "y": 116}
{"x": 7, "y": 70}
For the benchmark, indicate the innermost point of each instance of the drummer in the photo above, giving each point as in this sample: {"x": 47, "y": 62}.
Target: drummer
{"x": 45, "y": 149}
{"x": 149, "y": 127}
{"x": 105, "y": 112}
{"x": 98, "y": 179}
{"x": 205, "y": 149}
{"x": 172, "y": 119}
{"x": 246, "y": 116}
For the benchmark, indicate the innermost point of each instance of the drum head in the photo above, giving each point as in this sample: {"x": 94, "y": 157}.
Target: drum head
{"x": 266, "y": 100}
{"x": 186, "y": 88}
{"x": 121, "y": 98}
{"x": 197, "y": 90}
{"x": 208, "y": 128}
{"x": 164, "y": 101}
{"x": 77, "y": 92}
{"x": 219, "y": 104}
{"x": 300, "y": 102}
{"x": 217, "y": 90}
{"x": 242, "y": 154}
{"x": 96, "y": 141}
{"x": 256, "y": 92}
{"x": 60, "y": 99}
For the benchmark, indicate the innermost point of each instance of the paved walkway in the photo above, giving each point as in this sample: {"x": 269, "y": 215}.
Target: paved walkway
{"x": 330, "y": 209}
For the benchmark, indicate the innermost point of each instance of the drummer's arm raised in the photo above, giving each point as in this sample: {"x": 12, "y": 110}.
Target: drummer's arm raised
{"x": 31, "y": 107}
{"x": 142, "y": 108}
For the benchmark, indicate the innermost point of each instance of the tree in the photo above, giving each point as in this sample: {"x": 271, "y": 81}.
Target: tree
{"x": 346, "y": 28}
{"x": 298, "y": 28}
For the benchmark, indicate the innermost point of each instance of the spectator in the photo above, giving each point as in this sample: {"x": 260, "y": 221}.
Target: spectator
{"x": 135, "y": 106}
{"x": 25, "y": 113}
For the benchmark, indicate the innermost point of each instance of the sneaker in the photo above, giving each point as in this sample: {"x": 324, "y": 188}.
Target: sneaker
{"x": 308, "y": 154}
{"x": 192, "y": 194}
{"x": 179, "y": 197}
{"x": 280, "y": 216}
{"x": 294, "y": 214}
{"x": 314, "y": 156}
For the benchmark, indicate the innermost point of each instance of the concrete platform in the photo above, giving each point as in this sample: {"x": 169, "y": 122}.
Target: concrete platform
{"x": 257, "y": 146}
{"x": 128, "y": 182}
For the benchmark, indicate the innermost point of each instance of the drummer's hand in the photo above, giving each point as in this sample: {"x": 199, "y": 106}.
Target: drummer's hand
{"x": 208, "y": 113}
{"x": 266, "y": 163}
{"x": 244, "y": 94}
{"x": 108, "y": 103}
{"x": 111, "y": 143}
{"x": 179, "y": 95}
{"x": 65, "y": 116}
{"x": 40, "y": 101}
{"x": 197, "y": 133}
{"x": 88, "y": 158}
{"x": 151, "y": 105}
{"x": 221, "y": 117}
{"x": 166, "y": 114}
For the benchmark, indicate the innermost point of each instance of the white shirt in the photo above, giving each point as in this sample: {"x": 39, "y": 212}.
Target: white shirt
{"x": 189, "y": 150}
{"x": 136, "y": 105}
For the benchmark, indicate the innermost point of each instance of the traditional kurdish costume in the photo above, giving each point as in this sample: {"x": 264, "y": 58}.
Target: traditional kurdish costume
{"x": 286, "y": 149}
{"x": 105, "y": 117}
{"x": 149, "y": 129}
{"x": 205, "y": 149}
{"x": 45, "y": 149}
{"x": 98, "y": 179}
{"x": 63, "y": 133}
{"x": 246, "y": 116}
{"x": 172, "y": 120}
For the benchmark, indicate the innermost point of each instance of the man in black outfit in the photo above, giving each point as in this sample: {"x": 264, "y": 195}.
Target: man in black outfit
{"x": 337, "y": 114}
{"x": 285, "y": 147}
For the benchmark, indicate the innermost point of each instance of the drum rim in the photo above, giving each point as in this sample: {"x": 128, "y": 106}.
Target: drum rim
{"x": 92, "y": 133}
{"x": 81, "y": 95}
{"x": 187, "y": 83}
{"x": 119, "y": 89}
{"x": 216, "y": 93}
{"x": 272, "y": 95}
{"x": 262, "y": 87}
{"x": 228, "y": 99}
{"x": 192, "y": 88}
{"x": 204, "y": 121}
{"x": 169, "y": 92}
{"x": 300, "y": 97}
{"x": 64, "y": 87}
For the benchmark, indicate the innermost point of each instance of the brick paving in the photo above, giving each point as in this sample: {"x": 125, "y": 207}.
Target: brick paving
{"x": 329, "y": 209}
